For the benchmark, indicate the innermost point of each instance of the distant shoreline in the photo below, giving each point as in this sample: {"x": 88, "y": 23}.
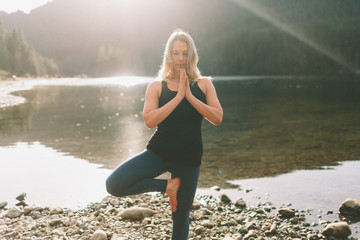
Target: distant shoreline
{"x": 9, "y": 86}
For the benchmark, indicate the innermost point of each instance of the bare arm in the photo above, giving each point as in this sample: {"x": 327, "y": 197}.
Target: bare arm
{"x": 212, "y": 110}
{"x": 152, "y": 114}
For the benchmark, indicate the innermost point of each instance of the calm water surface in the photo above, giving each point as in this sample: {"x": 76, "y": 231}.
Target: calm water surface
{"x": 273, "y": 128}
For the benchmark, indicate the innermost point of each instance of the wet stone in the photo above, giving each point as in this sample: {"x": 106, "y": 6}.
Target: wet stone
{"x": 286, "y": 212}
{"x": 350, "y": 207}
{"x": 338, "y": 230}
{"x": 3, "y": 205}
{"x": 224, "y": 198}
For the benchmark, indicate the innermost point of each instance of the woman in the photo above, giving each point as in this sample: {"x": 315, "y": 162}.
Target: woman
{"x": 175, "y": 103}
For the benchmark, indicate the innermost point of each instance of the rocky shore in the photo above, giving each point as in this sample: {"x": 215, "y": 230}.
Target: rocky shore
{"x": 148, "y": 216}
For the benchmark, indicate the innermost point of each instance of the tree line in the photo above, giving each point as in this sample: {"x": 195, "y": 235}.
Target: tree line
{"x": 18, "y": 58}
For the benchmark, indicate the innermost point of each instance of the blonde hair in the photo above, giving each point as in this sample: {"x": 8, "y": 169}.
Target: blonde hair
{"x": 166, "y": 71}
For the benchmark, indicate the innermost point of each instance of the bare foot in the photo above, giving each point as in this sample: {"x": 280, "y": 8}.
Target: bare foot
{"x": 172, "y": 188}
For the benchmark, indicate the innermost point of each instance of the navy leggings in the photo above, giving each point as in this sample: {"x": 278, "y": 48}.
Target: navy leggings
{"x": 137, "y": 174}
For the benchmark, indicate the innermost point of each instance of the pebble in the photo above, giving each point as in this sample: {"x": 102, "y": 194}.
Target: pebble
{"x": 224, "y": 198}
{"x": 56, "y": 210}
{"x": 99, "y": 235}
{"x": 21, "y": 197}
{"x": 14, "y": 212}
{"x": 216, "y": 188}
{"x": 286, "y": 212}
{"x": 136, "y": 213}
{"x": 149, "y": 217}
{"x": 240, "y": 203}
{"x": 3, "y": 204}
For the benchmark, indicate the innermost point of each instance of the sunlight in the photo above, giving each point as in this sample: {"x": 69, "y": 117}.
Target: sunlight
{"x": 127, "y": 81}
{"x": 26, "y": 6}
{"x": 265, "y": 14}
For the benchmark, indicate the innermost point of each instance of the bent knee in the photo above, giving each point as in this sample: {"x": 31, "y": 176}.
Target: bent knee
{"x": 113, "y": 187}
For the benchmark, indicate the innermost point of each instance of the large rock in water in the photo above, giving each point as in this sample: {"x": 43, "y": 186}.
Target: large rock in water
{"x": 337, "y": 230}
{"x": 136, "y": 213}
{"x": 350, "y": 207}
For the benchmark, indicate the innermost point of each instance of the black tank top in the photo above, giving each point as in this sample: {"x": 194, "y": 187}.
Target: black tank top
{"x": 178, "y": 138}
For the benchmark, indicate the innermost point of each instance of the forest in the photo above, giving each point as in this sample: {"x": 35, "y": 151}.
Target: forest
{"x": 238, "y": 37}
{"x": 18, "y": 58}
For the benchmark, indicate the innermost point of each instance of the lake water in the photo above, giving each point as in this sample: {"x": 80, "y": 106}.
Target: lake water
{"x": 289, "y": 139}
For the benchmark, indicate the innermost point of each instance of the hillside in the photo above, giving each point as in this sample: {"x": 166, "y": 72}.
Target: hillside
{"x": 127, "y": 36}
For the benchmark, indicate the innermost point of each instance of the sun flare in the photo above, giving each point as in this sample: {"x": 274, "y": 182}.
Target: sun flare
{"x": 275, "y": 20}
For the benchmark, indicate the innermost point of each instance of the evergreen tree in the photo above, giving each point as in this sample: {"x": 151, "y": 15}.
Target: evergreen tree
{"x": 18, "y": 58}
{"x": 4, "y": 54}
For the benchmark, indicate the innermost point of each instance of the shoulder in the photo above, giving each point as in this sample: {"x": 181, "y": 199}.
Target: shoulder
{"x": 154, "y": 87}
{"x": 205, "y": 84}
{"x": 155, "y": 84}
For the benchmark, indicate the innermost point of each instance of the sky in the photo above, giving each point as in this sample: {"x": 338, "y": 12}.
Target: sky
{"x": 26, "y": 6}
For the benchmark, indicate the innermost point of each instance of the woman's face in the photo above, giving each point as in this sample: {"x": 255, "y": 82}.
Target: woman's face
{"x": 179, "y": 55}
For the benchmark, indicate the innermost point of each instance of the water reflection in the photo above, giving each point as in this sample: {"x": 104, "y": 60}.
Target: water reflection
{"x": 101, "y": 124}
{"x": 271, "y": 125}
{"x": 49, "y": 177}
{"x": 274, "y": 126}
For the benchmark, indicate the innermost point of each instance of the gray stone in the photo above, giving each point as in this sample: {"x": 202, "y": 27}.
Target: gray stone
{"x": 251, "y": 234}
{"x": 337, "y": 230}
{"x": 216, "y": 188}
{"x": 14, "y": 212}
{"x": 207, "y": 224}
{"x": 99, "y": 235}
{"x": 273, "y": 229}
{"x": 21, "y": 197}
{"x": 34, "y": 215}
{"x": 350, "y": 207}
{"x": 55, "y": 222}
{"x": 240, "y": 203}
{"x": 196, "y": 205}
{"x": 286, "y": 212}
{"x": 22, "y": 204}
{"x": 38, "y": 209}
{"x": 146, "y": 221}
{"x": 224, "y": 198}
{"x": 56, "y": 210}
{"x": 249, "y": 225}
{"x": 136, "y": 213}
{"x": 115, "y": 202}
{"x": 199, "y": 230}
{"x": 27, "y": 210}
{"x": 3, "y": 204}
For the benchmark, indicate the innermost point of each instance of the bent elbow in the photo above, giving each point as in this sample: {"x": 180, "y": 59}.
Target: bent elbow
{"x": 149, "y": 124}
{"x": 218, "y": 122}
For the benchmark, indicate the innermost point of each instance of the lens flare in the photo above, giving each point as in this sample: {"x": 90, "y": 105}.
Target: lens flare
{"x": 274, "y": 19}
